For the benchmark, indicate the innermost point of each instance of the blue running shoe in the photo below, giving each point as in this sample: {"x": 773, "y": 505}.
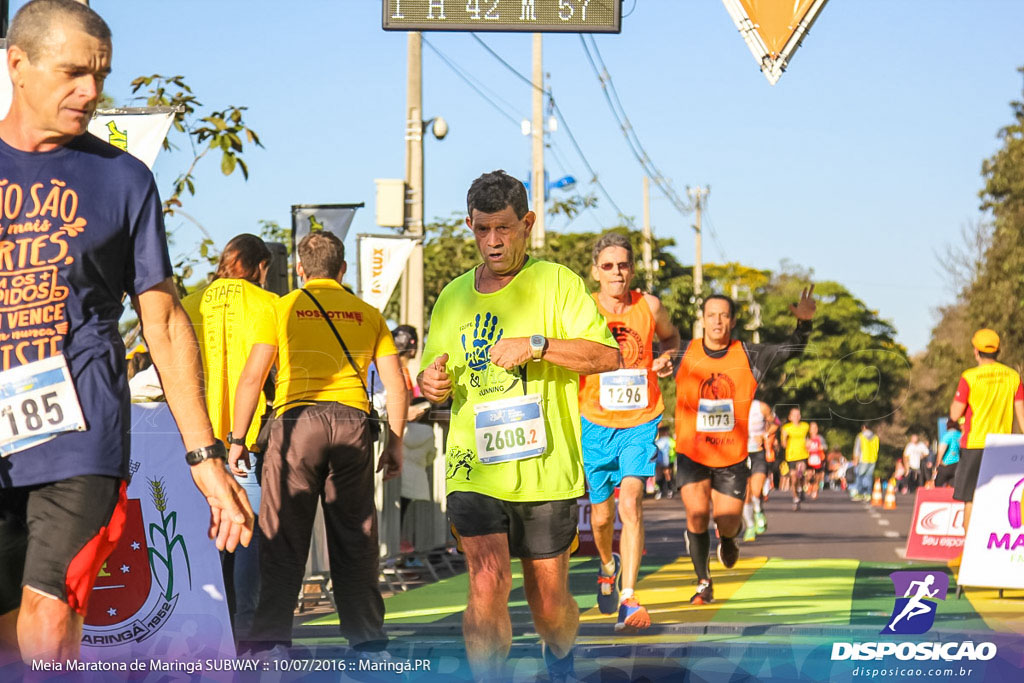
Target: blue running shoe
{"x": 633, "y": 616}
{"x": 608, "y": 587}
{"x": 559, "y": 670}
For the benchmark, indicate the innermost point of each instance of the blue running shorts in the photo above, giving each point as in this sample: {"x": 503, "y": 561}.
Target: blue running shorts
{"x": 611, "y": 454}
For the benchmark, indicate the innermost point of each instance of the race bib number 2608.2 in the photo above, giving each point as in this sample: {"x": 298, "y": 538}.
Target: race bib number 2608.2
{"x": 37, "y": 402}
{"x": 510, "y": 429}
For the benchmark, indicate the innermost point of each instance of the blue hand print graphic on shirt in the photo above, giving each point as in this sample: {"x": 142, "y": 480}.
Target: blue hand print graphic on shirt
{"x": 478, "y": 352}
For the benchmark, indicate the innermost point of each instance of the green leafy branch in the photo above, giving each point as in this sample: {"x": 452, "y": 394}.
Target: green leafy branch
{"x": 221, "y": 130}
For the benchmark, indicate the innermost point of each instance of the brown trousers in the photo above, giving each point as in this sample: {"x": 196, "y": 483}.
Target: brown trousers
{"x": 320, "y": 452}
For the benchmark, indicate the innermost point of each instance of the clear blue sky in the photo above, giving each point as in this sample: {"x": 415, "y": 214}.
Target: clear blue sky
{"x": 862, "y": 163}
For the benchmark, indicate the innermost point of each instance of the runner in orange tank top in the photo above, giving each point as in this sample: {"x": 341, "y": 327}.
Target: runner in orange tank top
{"x": 716, "y": 379}
{"x": 620, "y": 412}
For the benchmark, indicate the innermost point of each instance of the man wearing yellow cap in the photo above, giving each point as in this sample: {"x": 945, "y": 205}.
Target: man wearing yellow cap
{"x": 987, "y": 397}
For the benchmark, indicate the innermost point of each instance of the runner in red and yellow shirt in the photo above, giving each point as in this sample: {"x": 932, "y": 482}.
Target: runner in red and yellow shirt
{"x": 716, "y": 379}
{"x": 620, "y": 412}
{"x": 987, "y": 397}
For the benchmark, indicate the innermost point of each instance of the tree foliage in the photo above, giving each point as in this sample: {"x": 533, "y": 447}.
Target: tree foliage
{"x": 992, "y": 263}
{"x": 853, "y": 369}
{"x": 220, "y": 131}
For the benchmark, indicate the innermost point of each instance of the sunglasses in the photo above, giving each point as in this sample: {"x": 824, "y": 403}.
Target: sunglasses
{"x": 621, "y": 266}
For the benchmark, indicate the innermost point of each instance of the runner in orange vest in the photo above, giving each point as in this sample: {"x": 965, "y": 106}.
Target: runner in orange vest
{"x": 716, "y": 379}
{"x": 620, "y": 412}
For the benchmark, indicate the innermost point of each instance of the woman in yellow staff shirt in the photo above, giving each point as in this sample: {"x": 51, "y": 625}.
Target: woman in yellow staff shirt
{"x": 794, "y": 440}
{"x": 234, "y": 322}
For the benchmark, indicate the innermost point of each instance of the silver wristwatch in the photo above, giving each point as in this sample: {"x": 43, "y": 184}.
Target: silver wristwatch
{"x": 538, "y": 343}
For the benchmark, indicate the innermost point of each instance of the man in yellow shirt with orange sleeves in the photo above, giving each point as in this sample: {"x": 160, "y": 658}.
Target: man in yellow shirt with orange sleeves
{"x": 987, "y": 397}
{"x": 620, "y": 412}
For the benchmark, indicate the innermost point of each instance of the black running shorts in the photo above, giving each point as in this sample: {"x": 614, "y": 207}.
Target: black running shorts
{"x": 730, "y": 481}
{"x": 535, "y": 530}
{"x": 797, "y": 468}
{"x": 55, "y": 537}
{"x": 945, "y": 475}
{"x": 966, "y": 477}
{"x": 758, "y": 464}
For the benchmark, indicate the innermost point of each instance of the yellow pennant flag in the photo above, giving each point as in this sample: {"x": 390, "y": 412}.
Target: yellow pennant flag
{"x": 773, "y": 29}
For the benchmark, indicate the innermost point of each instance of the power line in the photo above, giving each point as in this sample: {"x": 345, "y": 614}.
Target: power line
{"x": 611, "y": 96}
{"x": 714, "y": 234}
{"x": 465, "y": 76}
{"x": 561, "y": 117}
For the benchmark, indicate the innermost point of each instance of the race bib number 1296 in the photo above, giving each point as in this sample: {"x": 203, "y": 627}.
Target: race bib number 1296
{"x": 623, "y": 389}
{"x": 37, "y": 402}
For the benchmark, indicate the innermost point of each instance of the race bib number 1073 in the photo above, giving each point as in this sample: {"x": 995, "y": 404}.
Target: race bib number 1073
{"x": 37, "y": 402}
{"x": 715, "y": 415}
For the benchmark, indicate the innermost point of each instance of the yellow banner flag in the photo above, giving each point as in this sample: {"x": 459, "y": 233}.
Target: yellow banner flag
{"x": 773, "y": 29}
{"x": 776, "y": 20}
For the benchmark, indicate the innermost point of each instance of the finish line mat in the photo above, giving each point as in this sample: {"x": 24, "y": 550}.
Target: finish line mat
{"x": 772, "y": 619}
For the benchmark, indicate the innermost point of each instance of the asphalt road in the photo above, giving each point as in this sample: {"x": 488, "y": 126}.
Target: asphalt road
{"x": 832, "y": 526}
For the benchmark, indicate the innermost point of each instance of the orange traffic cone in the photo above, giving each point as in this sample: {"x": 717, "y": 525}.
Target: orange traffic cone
{"x": 890, "y": 495}
{"x": 876, "y": 494}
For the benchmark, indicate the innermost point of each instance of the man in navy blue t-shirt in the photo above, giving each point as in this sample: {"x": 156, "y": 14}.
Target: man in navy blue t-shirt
{"x": 80, "y": 226}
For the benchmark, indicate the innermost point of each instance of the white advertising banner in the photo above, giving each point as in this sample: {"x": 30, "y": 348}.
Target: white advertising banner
{"x": 381, "y": 262}
{"x": 994, "y": 547}
{"x": 5, "y": 84}
{"x": 138, "y": 132}
{"x": 160, "y": 595}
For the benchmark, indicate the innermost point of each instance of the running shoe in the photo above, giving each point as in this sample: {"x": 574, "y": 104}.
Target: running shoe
{"x": 632, "y": 616}
{"x": 559, "y": 670}
{"x": 760, "y": 522}
{"x": 750, "y": 534}
{"x": 796, "y": 505}
{"x": 728, "y": 552}
{"x": 704, "y": 595}
{"x": 608, "y": 587}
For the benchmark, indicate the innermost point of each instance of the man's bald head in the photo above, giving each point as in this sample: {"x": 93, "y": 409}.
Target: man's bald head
{"x": 30, "y": 29}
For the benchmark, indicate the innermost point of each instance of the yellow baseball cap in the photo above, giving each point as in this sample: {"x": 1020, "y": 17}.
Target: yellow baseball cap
{"x": 985, "y": 340}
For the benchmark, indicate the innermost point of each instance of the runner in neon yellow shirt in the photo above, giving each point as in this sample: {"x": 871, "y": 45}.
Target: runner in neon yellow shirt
{"x": 508, "y": 341}
{"x": 794, "y": 440}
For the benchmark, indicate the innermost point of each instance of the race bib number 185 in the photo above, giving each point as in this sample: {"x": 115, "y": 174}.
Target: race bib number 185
{"x": 37, "y": 402}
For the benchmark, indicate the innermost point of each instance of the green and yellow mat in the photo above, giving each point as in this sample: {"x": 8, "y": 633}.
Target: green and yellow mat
{"x": 772, "y": 619}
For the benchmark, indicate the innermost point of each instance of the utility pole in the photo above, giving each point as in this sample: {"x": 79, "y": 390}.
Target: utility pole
{"x": 537, "y": 188}
{"x": 4, "y": 10}
{"x": 698, "y": 194}
{"x": 648, "y": 269}
{"x": 412, "y": 280}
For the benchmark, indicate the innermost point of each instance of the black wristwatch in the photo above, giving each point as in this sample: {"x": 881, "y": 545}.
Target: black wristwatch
{"x": 214, "y": 450}
{"x": 232, "y": 441}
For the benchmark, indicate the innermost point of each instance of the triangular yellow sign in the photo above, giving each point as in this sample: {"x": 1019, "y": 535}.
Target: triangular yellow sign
{"x": 773, "y": 29}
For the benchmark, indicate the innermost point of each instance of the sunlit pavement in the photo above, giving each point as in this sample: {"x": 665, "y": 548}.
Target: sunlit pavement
{"x": 816, "y": 577}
